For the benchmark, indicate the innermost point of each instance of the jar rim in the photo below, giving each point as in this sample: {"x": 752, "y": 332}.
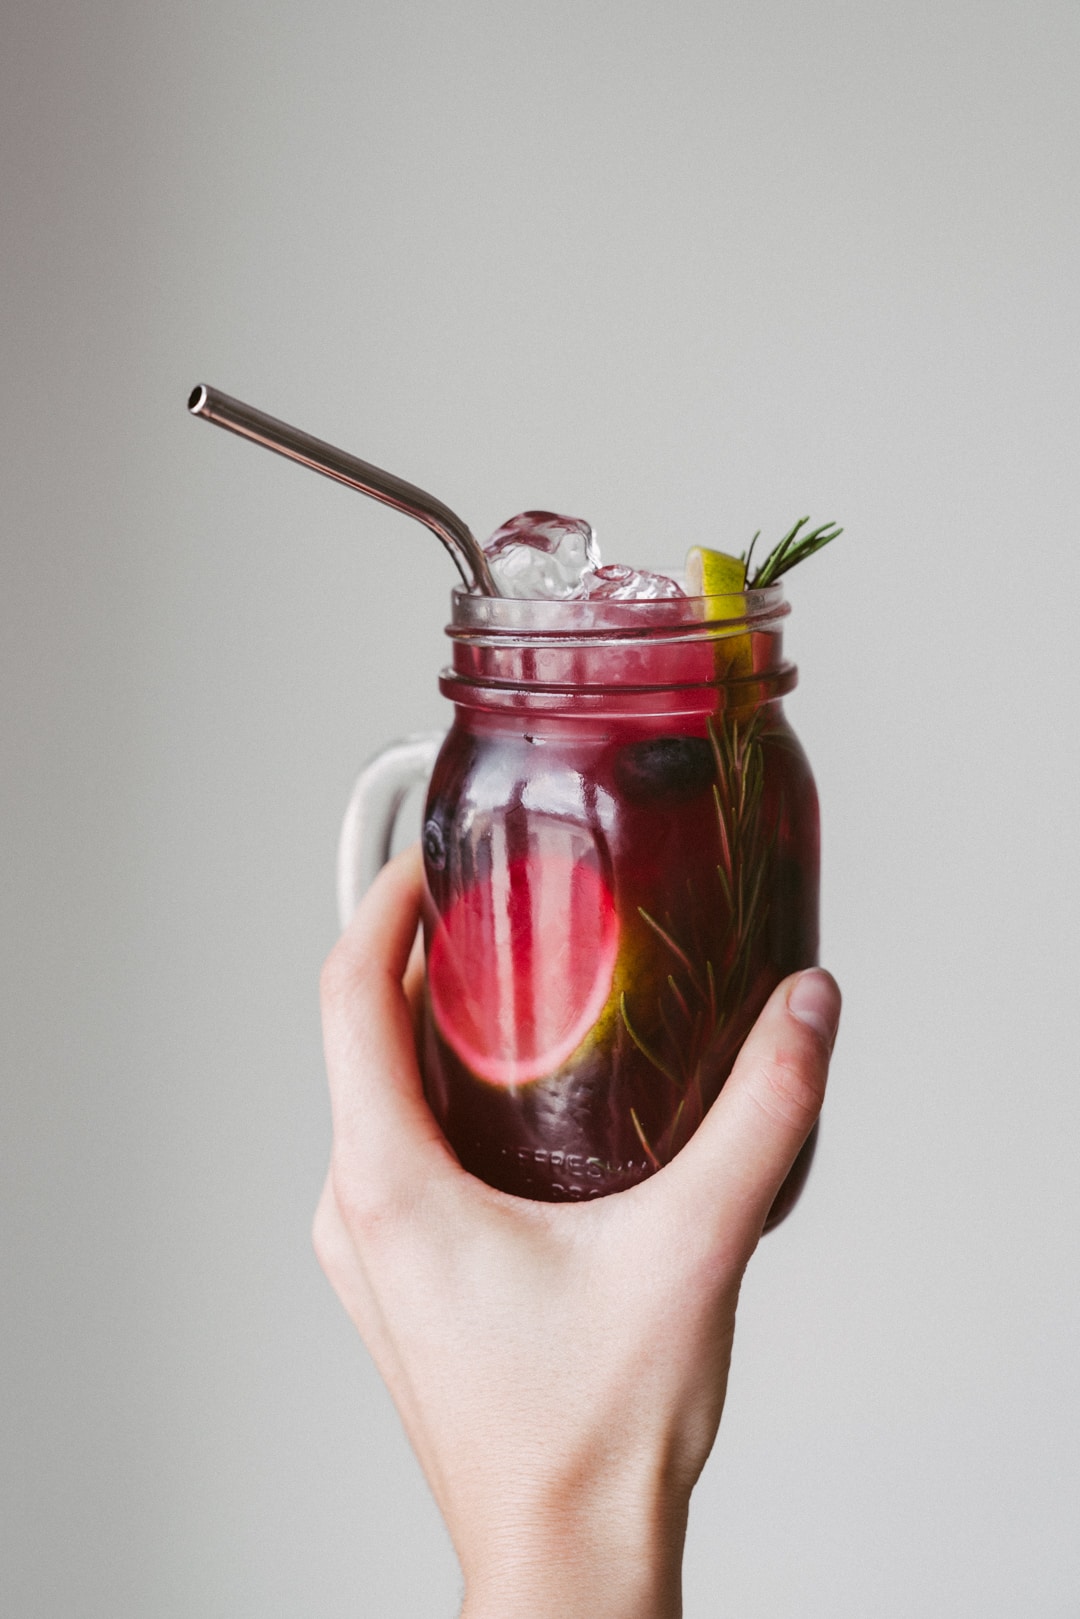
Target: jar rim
{"x": 474, "y": 615}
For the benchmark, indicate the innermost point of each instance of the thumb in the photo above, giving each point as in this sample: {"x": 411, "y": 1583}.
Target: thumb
{"x": 735, "y": 1164}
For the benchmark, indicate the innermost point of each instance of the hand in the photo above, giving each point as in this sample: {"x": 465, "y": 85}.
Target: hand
{"x": 560, "y": 1368}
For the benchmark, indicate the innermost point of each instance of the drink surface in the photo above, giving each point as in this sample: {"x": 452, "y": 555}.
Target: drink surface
{"x": 619, "y": 871}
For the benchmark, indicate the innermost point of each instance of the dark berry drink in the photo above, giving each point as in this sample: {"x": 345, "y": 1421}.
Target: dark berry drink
{"x": 621, "y": 852}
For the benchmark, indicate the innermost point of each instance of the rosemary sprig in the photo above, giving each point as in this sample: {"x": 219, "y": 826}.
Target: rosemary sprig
{"x": 705, "y": 998}
{"x": 643, "y": 1138}
{"x": 789, "y": 551}
{"x": 646, "y": 1051}
{"x": 672, "y": 946}
{"x": 745, "y": 850}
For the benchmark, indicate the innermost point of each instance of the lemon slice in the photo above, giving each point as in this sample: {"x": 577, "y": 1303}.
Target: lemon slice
{"x": 715, "y": 573}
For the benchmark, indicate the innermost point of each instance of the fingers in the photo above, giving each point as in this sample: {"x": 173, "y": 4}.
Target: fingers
{"x": 732, "y": 1168}
{"x": 413, "y": 984}
{"x": 385, "y": 1137}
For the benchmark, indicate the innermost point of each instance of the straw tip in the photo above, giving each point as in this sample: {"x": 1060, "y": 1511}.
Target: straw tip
{"x": 197, "y": 399}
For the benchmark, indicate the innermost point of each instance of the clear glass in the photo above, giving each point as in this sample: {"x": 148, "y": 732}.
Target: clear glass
{"x": 621, "y": 853}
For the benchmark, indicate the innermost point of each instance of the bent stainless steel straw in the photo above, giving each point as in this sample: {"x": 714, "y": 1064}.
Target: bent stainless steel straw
{"x": 253, "y": 424}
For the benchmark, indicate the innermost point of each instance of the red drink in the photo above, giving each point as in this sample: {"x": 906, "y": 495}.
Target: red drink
{"x": 621, "y": 851}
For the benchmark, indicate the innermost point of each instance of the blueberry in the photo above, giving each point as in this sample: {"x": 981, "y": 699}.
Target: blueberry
{"x": 434, "y": 845}
{"x": 665, "y": 767}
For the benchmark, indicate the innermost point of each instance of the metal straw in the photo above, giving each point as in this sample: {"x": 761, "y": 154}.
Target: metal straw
{"x": 289, "y": 441}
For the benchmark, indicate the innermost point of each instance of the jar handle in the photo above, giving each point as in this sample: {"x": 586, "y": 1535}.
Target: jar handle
{"x": 367, "y": 832}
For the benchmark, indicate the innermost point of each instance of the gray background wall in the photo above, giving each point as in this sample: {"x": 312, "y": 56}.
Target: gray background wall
{"x": 687, "y": 270}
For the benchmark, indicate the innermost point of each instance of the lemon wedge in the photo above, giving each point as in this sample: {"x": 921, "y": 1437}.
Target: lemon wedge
{"x": 716, "y": 574}
{"x": 713, "y": 573}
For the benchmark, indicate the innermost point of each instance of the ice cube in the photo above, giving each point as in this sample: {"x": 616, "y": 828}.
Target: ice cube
{"x": 617, "y": 584}
{"x": 540, "y": 556}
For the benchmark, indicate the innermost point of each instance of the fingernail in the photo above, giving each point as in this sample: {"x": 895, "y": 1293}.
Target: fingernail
{"x": 815, "y": 1001}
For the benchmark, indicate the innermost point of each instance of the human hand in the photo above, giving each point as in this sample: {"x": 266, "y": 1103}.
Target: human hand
{"x": 560, "y": 1369}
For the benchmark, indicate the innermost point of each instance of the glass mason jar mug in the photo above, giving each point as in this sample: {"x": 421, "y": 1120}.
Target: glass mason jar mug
{"x": 620, "y": 846}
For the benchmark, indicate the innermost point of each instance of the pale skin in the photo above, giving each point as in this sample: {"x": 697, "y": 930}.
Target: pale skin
{"x": 560, "y": 1369}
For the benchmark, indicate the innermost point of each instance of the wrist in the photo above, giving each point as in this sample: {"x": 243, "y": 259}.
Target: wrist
{"x": 596, "y": 1561}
